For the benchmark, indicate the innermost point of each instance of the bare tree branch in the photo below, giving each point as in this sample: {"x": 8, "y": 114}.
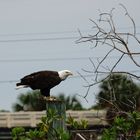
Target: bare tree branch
{"x": 118, "y": 41}
{"x": 107, "y": 35}
{"x": 134, "y": 26}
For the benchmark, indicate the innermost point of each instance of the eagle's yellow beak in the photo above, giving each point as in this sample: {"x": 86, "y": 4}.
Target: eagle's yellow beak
{"x": 70, "y": 73}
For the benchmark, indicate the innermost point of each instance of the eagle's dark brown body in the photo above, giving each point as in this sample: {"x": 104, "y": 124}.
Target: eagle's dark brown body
{"x": 43, "y": 80}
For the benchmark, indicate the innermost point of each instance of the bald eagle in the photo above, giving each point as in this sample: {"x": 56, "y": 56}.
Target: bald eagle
{"x": 43, "y": 80}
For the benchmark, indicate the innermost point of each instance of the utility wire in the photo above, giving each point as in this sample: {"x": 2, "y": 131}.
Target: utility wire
{"x": 43, "y": 59}
{"x": 41, "y": 39}
{"x": 76, "y": 76}
{"x": 14, "y": 81}
{"x": 48, "y": 33}
{"x": 57, "y": 59}
{"x": 60, "y": 32}
{"x": 38, "y": 39}
{"x": 43, "y": 33}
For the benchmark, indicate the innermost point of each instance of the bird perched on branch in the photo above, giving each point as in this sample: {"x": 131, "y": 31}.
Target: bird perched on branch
{"x": 43, "y": 80}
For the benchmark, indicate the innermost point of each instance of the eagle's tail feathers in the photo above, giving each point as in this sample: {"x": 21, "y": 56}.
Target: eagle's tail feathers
{"x": 21, "y": 86}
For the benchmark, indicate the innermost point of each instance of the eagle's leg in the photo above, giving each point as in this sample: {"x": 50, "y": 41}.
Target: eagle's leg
{"x": 46, "y": 95}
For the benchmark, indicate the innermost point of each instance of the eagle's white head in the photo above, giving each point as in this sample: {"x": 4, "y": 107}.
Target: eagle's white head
{"x": 63, "y": 74}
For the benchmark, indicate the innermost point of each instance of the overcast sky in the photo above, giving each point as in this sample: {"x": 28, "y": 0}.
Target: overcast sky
{"x": 40, "y": 34}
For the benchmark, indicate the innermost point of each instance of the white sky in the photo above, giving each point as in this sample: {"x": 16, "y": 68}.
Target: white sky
{"x": 42, "y": 19}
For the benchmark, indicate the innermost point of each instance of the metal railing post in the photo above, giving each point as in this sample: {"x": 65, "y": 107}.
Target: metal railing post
{"x": 59, "y": 108}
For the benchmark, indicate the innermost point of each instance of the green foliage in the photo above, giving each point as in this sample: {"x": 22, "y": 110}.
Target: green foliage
{"x": 54, "y": 133}
{"x": 36, "y": 135}
{"x": 71, "y": 102}
{"x": 120, "y": 91}
{"x": 61, "y": 134}
{"x": 43, "y": 125}
{"x": 18, "y": 133}
{"x": 31, "y": 101}
{"x": 34, "y": 101}
{"x": 52, "y": 115}
{"x": 82, "y": 124}
{"x": 124, "y": 128}
{"x": 43, "y": 130}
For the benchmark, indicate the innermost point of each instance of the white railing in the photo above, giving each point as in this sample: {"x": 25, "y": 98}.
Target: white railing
{"x": 31, "y": 119}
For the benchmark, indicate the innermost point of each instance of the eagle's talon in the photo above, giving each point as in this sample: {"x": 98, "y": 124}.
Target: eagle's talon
{"x": 50, "y": 98}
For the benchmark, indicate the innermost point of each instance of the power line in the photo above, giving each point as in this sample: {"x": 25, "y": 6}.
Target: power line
{"x": 14, "y": 81}
{"x": 59, "y": 32}
{"x": 76, "y": 76}
{"x": 8, "y": 81}
{"x": 43, "y": 59}
{"x": 38, "y": 39}
{"x": 48, "y": 33}
{"x": 41, "y": 33}
{"x": 57, "y": 59}
{"x": 41, "y": 39}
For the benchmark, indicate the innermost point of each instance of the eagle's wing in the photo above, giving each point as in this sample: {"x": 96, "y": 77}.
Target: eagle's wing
{"x": 41, "y": 80}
